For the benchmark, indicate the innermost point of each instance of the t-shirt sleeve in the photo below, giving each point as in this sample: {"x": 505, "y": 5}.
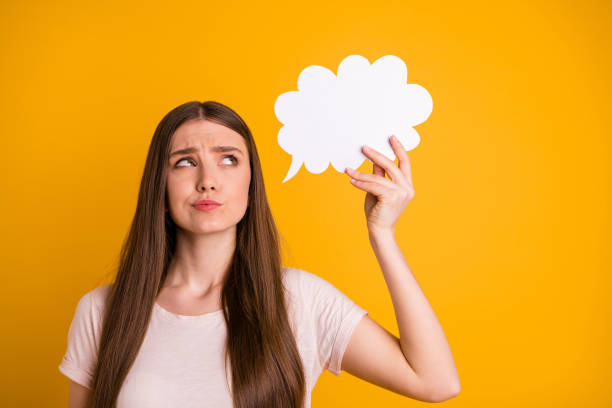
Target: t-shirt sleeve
{"x": 335, "y": 318}
{"x": 79, "y": 361}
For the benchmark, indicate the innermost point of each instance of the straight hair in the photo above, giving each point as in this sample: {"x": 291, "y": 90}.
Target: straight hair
{"x": 266, "y": 367}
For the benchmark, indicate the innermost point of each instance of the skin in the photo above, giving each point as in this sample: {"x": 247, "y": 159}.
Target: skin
{"x": 419, "y": 364}
{"x": 205, "y": 239}
{"x": 78, "y": 395}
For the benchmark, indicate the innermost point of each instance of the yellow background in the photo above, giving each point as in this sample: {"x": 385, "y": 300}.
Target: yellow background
{"x": 508, "y": 233}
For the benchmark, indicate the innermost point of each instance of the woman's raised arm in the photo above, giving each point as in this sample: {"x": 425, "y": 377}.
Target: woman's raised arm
{"x": 419, "y": 364}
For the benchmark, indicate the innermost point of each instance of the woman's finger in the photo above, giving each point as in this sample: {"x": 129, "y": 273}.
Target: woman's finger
{"x": 383, "y": 161}
{"x": 370, "y": 177}
{"x": 376, "y": 169}
{"x": 373, "y": 187}
{"x": 404, "y": 161}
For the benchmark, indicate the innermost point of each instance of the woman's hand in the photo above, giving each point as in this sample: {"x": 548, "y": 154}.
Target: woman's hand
{"x": 385, "y": 199}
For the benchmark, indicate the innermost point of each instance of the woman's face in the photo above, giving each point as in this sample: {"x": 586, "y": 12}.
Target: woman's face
{"x": 208, "y": 161}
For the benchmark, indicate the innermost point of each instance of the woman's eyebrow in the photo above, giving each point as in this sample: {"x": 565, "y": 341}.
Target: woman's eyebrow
{"x": 212, "y": 149}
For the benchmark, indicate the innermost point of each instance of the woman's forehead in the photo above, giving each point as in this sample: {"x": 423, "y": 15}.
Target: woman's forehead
{"x": 204, "y": 133}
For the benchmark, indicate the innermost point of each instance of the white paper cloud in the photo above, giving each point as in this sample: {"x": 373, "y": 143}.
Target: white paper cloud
{"x": 330, "y": 117}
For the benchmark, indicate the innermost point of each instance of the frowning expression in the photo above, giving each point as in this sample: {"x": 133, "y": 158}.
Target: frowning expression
{"x": 208, "y": 161}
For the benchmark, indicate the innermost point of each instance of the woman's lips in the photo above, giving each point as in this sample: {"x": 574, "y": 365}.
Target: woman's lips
{"x": 206, "y": 207}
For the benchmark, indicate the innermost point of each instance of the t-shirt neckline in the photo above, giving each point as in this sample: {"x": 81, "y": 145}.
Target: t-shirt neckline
{"x": 179, "y": 318}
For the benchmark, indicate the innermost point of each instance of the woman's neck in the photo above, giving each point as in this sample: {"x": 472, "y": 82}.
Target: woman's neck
{"x": 200, "y": 262}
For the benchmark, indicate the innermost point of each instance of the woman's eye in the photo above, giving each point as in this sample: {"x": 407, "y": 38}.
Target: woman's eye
{"x": 234, "y": 159}
{"x": 184, "y": 160}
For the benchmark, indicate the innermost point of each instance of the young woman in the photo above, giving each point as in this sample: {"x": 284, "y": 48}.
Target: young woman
{"x": 201, "y": 312}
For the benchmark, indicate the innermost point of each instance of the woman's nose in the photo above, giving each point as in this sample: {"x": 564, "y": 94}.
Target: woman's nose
{"x": 207, "y": 179}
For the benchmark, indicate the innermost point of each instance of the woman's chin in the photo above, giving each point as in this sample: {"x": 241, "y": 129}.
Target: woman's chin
{"x": 207, "y": 228}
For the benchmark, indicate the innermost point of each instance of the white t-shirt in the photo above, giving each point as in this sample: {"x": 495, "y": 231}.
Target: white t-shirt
{"x": 181, "y": 361}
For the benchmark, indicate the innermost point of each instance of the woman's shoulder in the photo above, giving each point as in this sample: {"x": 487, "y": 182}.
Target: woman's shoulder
{"x": 95, "y": 299}
{"x": 295, "y": 276}
{"x": 305, "y": 281}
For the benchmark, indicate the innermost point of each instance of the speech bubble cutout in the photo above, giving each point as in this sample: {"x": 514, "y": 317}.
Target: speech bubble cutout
{"x": 330, "y": 117}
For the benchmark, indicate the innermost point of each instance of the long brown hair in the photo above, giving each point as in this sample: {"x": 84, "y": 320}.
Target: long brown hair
{"x": 266, "y": 368}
